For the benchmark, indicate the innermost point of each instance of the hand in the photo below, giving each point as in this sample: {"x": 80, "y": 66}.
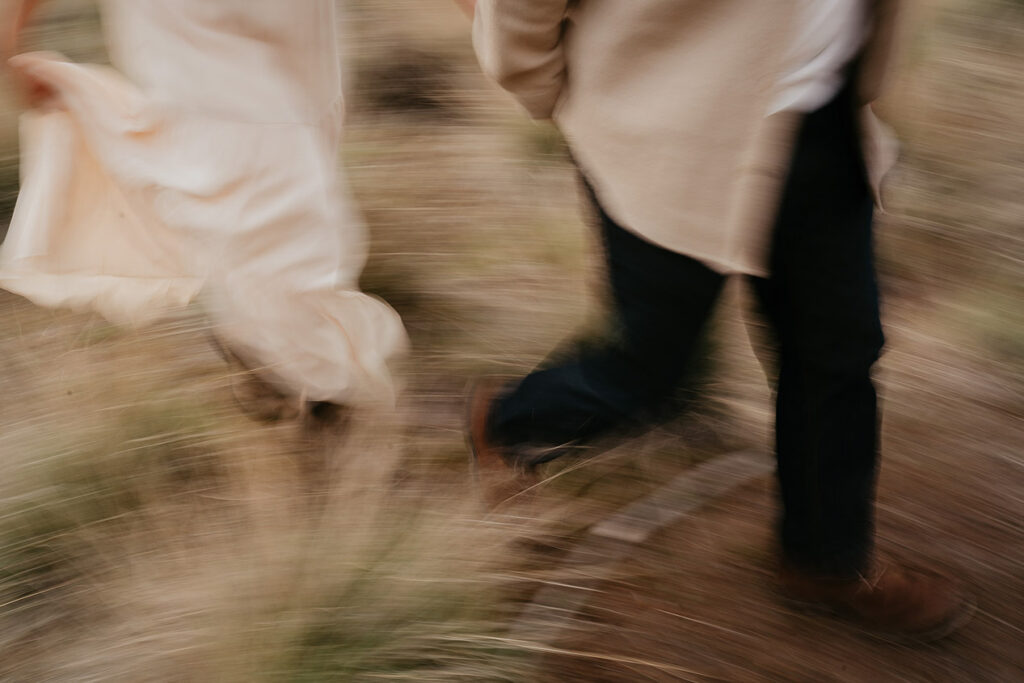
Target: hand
{"x": 467, "y": 6}
{"x": 8, "y": 37}
{"x": 33, "y": 92}
{"x": 15, "y": 15}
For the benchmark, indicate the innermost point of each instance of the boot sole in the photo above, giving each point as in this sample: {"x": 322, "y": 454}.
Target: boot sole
{"x": 946, "y": 628}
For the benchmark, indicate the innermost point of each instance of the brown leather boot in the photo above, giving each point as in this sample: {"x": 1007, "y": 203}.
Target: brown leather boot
{"x": 892, "y": 601}
{"x": 500, "y": 480}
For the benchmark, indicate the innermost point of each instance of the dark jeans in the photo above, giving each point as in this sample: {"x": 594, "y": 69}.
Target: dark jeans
{"x": 821, "y": 301}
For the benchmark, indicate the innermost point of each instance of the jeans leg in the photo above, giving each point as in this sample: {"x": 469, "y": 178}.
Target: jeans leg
{"x": 822, "y": 300}
{"x": 661, "y": 300}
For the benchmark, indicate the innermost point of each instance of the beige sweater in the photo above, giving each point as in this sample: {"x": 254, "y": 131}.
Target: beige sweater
{"x": 663, "y": 103}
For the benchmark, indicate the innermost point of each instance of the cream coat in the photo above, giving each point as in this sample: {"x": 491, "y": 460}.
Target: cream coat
{"x": 663, "y": 103}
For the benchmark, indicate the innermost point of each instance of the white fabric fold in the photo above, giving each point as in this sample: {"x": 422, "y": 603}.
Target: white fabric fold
{"x": 132, "y": 204}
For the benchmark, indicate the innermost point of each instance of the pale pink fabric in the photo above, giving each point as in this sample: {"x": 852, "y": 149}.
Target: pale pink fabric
{"x": 206, "y": 162}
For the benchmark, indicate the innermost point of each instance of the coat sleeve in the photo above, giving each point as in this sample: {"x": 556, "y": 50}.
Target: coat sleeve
{"x": 519, "y": 45}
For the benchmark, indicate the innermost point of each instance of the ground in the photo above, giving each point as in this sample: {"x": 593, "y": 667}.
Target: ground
{"x": 149, "y": 531}
{"x": 696, "y": 602}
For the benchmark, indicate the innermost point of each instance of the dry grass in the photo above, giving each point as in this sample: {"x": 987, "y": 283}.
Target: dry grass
{"x": 149, "y": 532}
{"x": 952, "y": 241}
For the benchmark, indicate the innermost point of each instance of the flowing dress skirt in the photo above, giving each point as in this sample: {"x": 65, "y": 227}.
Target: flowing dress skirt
{"x": 205, "y": 163}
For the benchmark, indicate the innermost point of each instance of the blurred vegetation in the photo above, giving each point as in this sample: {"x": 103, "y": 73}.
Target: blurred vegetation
{"x": 952, "y": 238}
{"x": 147, "y": 531}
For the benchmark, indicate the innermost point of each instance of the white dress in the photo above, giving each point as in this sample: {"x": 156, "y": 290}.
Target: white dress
{"x": 206, "y": 162}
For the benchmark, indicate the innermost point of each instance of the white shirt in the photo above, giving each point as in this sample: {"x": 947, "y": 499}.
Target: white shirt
{"x": 826, "y": 35}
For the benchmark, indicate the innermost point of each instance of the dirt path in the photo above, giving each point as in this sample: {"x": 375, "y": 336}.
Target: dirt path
{"x": 696, "y": 600}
